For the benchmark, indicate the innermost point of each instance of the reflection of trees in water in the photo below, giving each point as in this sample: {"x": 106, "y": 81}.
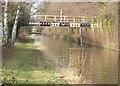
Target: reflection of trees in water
{"x": 69, "y": 62}
{"x": 78, "y": 65}
{"x": 77, "y": 58}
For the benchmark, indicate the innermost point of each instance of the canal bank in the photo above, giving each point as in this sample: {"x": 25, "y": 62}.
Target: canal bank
{"x": 90, "y": 36}
{"x": 54, "y": 61}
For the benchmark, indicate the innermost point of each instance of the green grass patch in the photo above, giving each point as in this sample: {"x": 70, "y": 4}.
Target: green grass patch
{"x": 29, "y": 66}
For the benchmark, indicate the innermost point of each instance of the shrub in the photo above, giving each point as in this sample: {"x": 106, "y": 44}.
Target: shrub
{"x": 107, "y": 23}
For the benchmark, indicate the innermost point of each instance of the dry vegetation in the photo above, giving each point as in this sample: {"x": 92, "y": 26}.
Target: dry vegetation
{"x": 105, "y": 36}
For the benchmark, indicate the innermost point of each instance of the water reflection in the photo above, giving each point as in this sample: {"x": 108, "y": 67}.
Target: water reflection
{"x": 80, "y": 64}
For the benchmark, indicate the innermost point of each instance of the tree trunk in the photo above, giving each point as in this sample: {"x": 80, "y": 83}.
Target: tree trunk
{"x": 5, "y": 25}
{"x": 15, "y": 26}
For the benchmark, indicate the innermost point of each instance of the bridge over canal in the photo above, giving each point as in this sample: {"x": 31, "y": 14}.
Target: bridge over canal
{"x": 77, "y": 23}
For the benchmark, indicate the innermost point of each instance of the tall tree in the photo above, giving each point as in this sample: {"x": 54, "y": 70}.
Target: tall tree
{"x": 15, "y": 25}
{"x": 5, "y": 23}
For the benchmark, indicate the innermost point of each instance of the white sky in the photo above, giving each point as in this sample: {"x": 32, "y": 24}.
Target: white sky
{"x": 62, "y": 0}
{"x": 35, "y": 7}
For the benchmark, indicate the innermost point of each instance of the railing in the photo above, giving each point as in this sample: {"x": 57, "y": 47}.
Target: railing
{"x": 64, "y": 18}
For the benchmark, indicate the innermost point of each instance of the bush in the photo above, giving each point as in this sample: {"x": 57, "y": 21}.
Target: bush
{"x": 107, "y": 23}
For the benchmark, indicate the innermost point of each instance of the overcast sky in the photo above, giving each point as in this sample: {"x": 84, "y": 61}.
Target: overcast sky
{"x": 62, "y": 0}
{"x": 35, "y": 7}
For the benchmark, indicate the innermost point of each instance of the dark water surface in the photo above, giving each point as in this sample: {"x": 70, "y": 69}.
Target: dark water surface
{"x": 80, "y": 64}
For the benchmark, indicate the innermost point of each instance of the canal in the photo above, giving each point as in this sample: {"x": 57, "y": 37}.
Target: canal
{"x": 78, "y": 64}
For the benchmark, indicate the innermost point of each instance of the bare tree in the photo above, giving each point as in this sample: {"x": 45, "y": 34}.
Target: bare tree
{"x": 15, "y": 25}
{"x": 5, "y": 25}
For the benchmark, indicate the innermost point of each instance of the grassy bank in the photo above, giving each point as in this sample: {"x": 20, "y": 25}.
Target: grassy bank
{"x": 24, "y": 64}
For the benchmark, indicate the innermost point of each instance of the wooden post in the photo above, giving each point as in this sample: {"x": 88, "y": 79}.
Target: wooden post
{"x": 73, "y": 19}
{"x": 64, "y": 18}
{"x": 54, "y": 18}
{"x": 61, "y": 12}
{"x": 45, "y": 18}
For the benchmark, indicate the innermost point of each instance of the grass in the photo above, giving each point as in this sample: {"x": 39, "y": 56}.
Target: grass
{"x": 23, "y": 64}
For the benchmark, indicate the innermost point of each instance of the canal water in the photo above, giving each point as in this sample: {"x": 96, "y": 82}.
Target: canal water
{"x": 78, "y": 64}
